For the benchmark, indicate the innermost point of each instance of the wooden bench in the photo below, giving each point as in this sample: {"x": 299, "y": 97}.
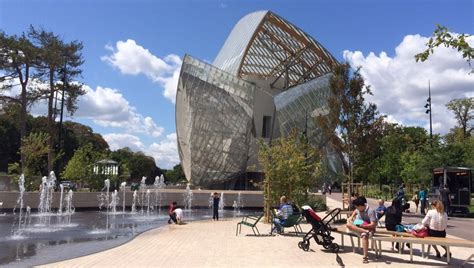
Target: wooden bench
{"x": 250, "y": 221}
{"x": 343, "y": 231}
{"x": 438, "y": 241}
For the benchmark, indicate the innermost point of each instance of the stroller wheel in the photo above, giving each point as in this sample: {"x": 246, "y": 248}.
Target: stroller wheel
{"x": 300, "y": 244}
{"x": 306, "y": 246}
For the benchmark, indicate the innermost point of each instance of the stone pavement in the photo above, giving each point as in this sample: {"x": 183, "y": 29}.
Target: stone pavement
{"x": 214, "y": 244}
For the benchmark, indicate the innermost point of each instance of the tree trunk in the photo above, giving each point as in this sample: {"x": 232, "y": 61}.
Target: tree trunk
{"x": 51, "y": 121}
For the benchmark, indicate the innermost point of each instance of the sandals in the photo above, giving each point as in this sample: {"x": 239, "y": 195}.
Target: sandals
{"x": 365, "y": 260}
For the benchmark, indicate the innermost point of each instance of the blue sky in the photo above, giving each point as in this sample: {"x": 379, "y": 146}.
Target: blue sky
{"x": 133, "y": 48}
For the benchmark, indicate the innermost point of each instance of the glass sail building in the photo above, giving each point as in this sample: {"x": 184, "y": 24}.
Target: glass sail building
{"x": 269, "y": 78}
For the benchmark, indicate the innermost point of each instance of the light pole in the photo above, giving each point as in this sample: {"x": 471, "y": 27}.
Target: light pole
{"x": 428, "y": 110}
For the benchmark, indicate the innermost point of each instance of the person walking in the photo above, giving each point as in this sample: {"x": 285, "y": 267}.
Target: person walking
{"x": 422, "y": 197}
{"x": 445, "y": 197}
{"x": 416, "y": 200}
{"x": 215, "y": 206}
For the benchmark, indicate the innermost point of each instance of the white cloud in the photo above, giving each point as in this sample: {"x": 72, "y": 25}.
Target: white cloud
{"x": 164, "y": 152}
{"x": 133, "y": 59}
{"x": 117, "y": 141}
{"x": 400, "y": 84}
{"x": 108, "y": 108}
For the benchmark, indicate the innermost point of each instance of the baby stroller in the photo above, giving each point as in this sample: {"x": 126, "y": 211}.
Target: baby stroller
{"x": 321, "y": 229}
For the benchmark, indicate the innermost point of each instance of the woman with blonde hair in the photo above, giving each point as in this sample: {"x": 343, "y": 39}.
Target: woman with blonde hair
{"x": 437, "y": 221}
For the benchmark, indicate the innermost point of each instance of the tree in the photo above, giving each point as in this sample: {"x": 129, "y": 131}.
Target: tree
{"x": 79, "y": 168}
{"x": 59, "y": 61}
{"x": 354, "y": 118}
{"x": 175, "y": 175}
{"x": 442, "y": 36}
{"x": 34, "y": 147}
{"x": 463, "y": 112}
{"x": 9, "y": 137}
{"x": 291, "y": 167}
{"x": 18, "y": 58}
{"x": 137, "y": 164}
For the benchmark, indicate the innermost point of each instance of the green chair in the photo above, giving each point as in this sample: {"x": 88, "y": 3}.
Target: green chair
{"x": 250, "y": 221}
{"x": 292, "y": 221}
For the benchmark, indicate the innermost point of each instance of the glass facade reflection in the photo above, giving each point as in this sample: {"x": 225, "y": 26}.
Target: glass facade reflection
{"x": 269, "y": 78}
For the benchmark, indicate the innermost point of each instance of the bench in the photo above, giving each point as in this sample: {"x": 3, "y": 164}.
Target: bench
{"x": 438, "y": 241}
{"x": 343, "y": 231}
{"x": 250, "y": 221}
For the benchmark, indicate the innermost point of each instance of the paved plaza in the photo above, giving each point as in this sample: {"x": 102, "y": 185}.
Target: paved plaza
{"x": 214, "y": 244}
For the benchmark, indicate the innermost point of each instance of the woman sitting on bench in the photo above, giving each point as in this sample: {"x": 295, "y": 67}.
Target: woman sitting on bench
{"x": 437, "y": 221}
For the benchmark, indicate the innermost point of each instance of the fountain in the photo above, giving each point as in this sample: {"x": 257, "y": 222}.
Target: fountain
{"x": 238, "y": 204}
{"x": 211, "y": 200}
{"x": 69, "y": 208}
{"x": 21, "y": 186}
{"x": 114, "y": 201}
{"x": 221, "y": 202}
{"x": 60, "y": 211}
{"x": 188, "y": 198}
{"x": 122, "y": 188}
{"x": 46, "y": 198}
{"x": 134, "y": 204}
{"x": 104, "y": 200}
{"x": 159, "y": 184}
{"x": 143, "y": 191}
{"x": 148, "y": 202}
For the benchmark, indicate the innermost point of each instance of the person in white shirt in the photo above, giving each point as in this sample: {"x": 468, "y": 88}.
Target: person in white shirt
{"x": 437, "y": 221}
{"x": 179, "y": 215}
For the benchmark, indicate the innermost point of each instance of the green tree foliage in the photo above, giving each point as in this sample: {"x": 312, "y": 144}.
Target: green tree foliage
{"x": 34, "y": 147}
{"x": 442, "y": 36}
{"x": 137, "y": 164}
{"x": 463, "y": 112}
{"x": 400, "y": 151}
{"x": 358, "y": 125}
{"x": 58, "y": 61}
{"x": 9, "y": 139}
{"x": 79, "y": 168}
{"x": 175, "y": 175}
{"x": 18, "y": 58}
{"x": 291, "y": 167}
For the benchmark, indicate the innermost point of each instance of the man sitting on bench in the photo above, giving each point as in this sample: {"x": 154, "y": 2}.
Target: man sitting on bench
{"x": 364, "y": 224}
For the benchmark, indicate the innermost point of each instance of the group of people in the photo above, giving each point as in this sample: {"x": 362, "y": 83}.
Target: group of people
{"x": 364, "y": 220}
{"x": 176, "y": 214}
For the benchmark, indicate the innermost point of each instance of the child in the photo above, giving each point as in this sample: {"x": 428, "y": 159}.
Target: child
{"x": 215, "y": 207}
{"x": 172, "y": 213}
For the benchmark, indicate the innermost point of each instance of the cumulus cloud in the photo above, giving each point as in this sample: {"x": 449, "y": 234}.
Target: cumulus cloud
{"x": 108, "y": 108}
{"x": 400, "y": 84}
{"x": 164, "y": 152}
{"x": 119, "y": 140}
{"x": 133, "y": 59}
